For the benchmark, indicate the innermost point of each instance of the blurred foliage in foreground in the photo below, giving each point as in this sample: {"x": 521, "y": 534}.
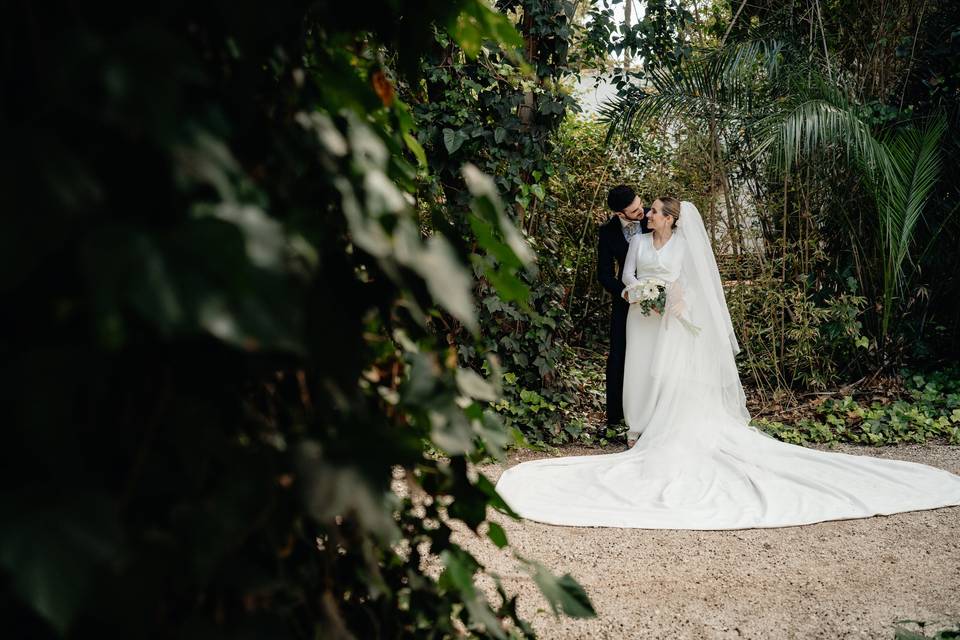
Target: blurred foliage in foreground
{"x": 905, "y": 633}
{"x": 219, "y": 347}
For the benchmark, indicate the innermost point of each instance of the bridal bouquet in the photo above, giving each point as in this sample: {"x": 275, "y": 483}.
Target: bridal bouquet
{"x": 651, "y": 295}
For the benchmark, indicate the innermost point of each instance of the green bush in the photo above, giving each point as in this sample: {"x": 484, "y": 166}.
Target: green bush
{"x": 793, "y": 335}
{"x": 927, "y": 409}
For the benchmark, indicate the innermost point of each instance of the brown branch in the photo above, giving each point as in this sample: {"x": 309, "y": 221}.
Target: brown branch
{"x": 732, "y": 22}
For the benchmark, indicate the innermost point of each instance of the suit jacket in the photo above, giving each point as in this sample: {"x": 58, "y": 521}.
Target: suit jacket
{"x": 611, "y": 255}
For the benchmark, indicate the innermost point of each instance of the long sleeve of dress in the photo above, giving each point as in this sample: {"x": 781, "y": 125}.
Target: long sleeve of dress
{"x": 679, "y": 298}
{"x": 681, "y": 301}
{"x": 630, "y": 264}
{"x": 678, "y": 291}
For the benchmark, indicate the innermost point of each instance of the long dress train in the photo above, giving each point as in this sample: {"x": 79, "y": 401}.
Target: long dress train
{"x": 698, "y": 464}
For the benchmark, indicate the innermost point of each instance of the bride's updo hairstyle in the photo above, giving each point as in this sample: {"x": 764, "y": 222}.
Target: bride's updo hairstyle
{"x": 671, "y": 207}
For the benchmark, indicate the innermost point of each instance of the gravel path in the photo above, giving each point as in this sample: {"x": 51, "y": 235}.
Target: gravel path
{"x": 845, "y": 579}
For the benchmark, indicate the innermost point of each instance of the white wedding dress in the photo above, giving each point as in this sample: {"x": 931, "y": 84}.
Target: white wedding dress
{"x": 698, "y": 464}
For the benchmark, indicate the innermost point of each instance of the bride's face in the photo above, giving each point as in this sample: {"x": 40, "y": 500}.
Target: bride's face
{"x": 657, "y": 219}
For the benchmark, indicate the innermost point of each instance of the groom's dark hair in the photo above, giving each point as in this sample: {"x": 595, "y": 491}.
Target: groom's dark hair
{"x": 620, "y": 197}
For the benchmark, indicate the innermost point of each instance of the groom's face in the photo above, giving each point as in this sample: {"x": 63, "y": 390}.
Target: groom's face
{"x": 634, "y": 210}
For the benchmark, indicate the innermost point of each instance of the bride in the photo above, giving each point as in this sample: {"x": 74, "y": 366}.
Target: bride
{"x": 696, "y": 462}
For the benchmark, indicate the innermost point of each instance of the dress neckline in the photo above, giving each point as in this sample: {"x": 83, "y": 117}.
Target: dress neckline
{"x": 664, "y": 245}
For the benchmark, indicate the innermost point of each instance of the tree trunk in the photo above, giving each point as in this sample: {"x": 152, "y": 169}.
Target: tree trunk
{"x": 627, "y": 16}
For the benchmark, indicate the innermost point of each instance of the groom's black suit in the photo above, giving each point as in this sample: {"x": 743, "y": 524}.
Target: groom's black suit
{"x": 611, "y": 255}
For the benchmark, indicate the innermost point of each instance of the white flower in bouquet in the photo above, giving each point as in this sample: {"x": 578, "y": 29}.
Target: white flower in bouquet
{"x": 650, "y": 293}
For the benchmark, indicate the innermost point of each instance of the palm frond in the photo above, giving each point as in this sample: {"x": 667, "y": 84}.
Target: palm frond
{"x": 746, "y": 56}
{"x": 902, "y": 193}
{"x": 815, "y": 118}
{"x": 716, "y": 86}
{"x": 914, "y": 170}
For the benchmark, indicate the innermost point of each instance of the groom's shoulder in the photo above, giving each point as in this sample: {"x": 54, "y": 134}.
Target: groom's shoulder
{"x": 609, "y": 221}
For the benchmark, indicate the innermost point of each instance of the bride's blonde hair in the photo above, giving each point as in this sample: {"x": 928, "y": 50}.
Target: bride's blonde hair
{"x": 671, "y": 207}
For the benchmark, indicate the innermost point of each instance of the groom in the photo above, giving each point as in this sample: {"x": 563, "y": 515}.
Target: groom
{"x": 628, "y": 220}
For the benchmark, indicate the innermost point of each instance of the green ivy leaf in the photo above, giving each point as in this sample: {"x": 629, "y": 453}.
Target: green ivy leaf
{"x": 486, "y": 238}
{"x": 509, "y": 286}
{"x": 458, "y": 574}
{"x": 54, "y": 554}
{"x": 416, "y": 148}
{"x": 493, "y": 498}
{"x": 453, "y": 140}
{"x": 564, "y": 594}
{"x": 451, "y": 431}
{"x": 487, "y": 203}
{"x": 472, "y": 385}
{"x": 437, "y": 263}
{"x": 496, "y": 533}
{"x": 331, "y": 490}
{"x": 478, "y": 22}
